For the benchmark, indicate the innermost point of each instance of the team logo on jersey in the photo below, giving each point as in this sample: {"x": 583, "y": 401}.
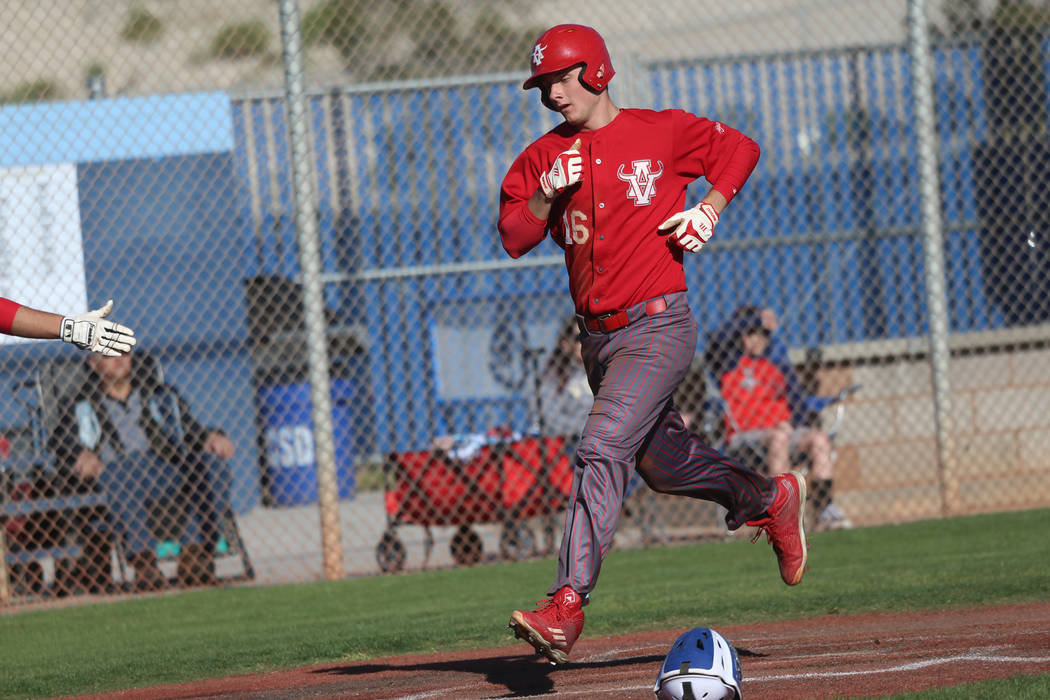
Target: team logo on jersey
{"x": 641, "y": 182}
{"x": 537, "y": 54}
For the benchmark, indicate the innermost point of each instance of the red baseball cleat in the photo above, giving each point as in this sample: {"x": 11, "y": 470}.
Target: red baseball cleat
{"x": 784, "y": 527}
{"x": 553, "y": 627}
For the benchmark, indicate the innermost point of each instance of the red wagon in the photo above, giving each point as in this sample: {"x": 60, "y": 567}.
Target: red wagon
{"x": 503, "y": 482}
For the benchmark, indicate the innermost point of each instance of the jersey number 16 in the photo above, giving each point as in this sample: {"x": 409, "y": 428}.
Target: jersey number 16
{"x": 576, "y": 232}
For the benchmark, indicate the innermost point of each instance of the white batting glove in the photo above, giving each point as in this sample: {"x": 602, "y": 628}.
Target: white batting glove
{"x": 90, "y": 332}
{"x": 692, "y": 227}
{"x": 566, "y": 172}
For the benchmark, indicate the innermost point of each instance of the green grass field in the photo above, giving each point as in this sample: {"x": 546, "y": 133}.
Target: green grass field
{"x": 201, "y": 634}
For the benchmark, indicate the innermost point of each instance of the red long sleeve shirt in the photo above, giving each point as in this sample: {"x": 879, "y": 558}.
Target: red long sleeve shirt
{"x": 755, "y": 394}
{"x": 635, "y": 173}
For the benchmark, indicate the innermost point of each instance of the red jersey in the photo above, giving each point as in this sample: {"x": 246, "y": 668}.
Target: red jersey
{"x": 635, "y": 173}
{"x": 754, "y": 392}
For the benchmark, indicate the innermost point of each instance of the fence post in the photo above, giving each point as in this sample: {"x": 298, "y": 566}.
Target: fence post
{"x": 933, "y": 248}
{"x": 305, "y": 200}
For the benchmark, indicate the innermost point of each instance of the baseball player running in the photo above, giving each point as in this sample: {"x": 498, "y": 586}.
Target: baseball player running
{"x": 609, "y": 185}
{"x": 88, "y": 331}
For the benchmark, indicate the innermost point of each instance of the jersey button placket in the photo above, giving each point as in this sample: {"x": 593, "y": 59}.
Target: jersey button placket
{"x": 599, "y": 221}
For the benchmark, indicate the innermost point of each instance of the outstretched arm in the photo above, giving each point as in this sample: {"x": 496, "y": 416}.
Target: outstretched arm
{"x": 88, "y": 331}
{"x": 25, "y": 322}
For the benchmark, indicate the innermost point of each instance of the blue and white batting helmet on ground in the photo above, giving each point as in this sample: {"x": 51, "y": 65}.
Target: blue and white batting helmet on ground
{"x": 701, "y": 665}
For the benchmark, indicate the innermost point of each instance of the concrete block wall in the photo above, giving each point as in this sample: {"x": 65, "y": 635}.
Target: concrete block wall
{"x": 886, "y": 452}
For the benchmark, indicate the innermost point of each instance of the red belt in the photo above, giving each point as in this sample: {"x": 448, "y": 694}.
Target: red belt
{"x": 615, "y": 320}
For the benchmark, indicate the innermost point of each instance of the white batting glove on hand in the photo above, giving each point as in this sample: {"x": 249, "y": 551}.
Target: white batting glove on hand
{"x": 566, "y": 172}
{"x": 692, "y": 227}
{"x": 90, "y": 332}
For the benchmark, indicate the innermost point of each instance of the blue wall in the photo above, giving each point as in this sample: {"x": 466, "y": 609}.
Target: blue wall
{"x": 826, "y": 230}
{"x": 160, "y": 221}
{"x": 159, "y": 234}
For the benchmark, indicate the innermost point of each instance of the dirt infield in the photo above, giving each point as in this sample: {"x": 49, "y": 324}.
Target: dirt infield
{"x": 834, "y": 656}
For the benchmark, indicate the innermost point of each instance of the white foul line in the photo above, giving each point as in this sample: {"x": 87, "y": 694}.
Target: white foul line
{"x": 903, "y": 667}
{"x": 762, "y": 679}
{"x": 437, "y": 692}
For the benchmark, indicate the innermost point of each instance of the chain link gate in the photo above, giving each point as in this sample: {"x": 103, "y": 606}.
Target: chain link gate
{"x": 293, "y": 204}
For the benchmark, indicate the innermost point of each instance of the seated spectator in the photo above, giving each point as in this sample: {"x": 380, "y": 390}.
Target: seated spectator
{"x": 766, "y": 405}
{"x": 565, "y": 395}
{"x": 158, "y": 466}
{"x": 564, "y": 400}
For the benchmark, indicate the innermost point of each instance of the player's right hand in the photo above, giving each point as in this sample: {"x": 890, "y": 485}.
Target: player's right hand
{"x": 566, "y": 172}
{"x": 90, "y": 332}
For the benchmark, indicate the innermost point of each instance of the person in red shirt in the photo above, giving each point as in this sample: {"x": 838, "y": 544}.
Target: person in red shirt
{"x": 767, "y": 411}
{"x": 609, "y": 187}
{"x": 755, "y": 392}
{"x": 758, "y": 412}
{"x": 88, "y": 331}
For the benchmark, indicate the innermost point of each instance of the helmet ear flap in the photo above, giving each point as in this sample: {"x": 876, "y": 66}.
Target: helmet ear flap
{"x": 584, "y": 77}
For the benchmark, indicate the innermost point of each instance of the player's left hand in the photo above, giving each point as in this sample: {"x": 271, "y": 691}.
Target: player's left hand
{"x": 692, "y": 227}
{"x": 90, "y": 332}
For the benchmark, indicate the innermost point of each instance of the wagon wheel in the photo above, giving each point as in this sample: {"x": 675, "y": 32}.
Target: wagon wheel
{"x": 465, "y": 546}
{"x": 390, "y": 553}
{"x": 516, "y": 541}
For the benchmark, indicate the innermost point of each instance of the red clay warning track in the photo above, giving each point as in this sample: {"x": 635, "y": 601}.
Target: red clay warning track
{"x": 834, "y": 656}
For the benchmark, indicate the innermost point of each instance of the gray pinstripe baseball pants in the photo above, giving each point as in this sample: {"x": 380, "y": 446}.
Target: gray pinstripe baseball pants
{"x": 633, "y": 373}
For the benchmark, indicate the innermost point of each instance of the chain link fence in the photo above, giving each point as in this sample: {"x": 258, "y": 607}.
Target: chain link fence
{"x": 341, "y": 373}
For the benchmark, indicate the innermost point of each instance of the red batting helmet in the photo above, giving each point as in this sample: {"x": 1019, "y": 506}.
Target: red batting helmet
{"x": 569, "y": 45}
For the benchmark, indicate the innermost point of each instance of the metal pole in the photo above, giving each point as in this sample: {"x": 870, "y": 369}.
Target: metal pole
{"x": 305, "y": 194}
{"x": 5, "y": 588}
{"x": 933, "y": 249}
{"x": 532, "y": 362}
